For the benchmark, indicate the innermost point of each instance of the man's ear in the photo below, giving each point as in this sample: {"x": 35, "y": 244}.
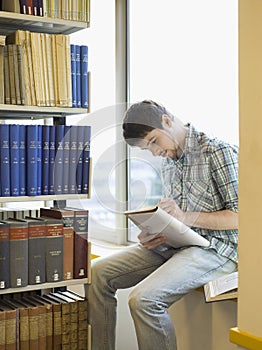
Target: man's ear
{"x": 166, "y": 121}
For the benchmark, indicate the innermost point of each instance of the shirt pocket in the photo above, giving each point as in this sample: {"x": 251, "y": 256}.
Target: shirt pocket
{"x": 197, "y": 196}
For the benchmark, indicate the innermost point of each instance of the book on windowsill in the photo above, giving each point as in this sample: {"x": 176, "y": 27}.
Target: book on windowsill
{"x": 222, "y": 288}
{"x": 156, "y": 221}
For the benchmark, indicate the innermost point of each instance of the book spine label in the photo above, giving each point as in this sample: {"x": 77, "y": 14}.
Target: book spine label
{"x": 18, "y": 256}
{"x": 84, "y": 75}
{"x": 36, "y": 253}
{"x": 5, "y": 160}
{"x": 14, "y": 159}
{"x": 32, "y": 141}
{"x": 4, "y": 256}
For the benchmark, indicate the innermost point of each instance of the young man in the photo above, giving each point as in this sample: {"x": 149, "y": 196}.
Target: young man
{"x": 200, "y": 188}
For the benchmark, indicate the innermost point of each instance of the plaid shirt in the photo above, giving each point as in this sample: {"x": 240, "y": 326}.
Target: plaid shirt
{"x": 205, "y": 179}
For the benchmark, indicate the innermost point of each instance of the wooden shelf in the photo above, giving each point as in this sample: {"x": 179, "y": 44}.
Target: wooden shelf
{"x": 35, "y": 112}
{"x": 59, "y": 197}
{"x": 42, "y": 286}
{"x": 10, "y": 22}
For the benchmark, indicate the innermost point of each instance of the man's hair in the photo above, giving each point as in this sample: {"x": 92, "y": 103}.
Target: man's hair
{"x": 141, "y": 118}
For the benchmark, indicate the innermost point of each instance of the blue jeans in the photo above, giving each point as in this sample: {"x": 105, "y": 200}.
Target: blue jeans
{"x": 160, "y": 279}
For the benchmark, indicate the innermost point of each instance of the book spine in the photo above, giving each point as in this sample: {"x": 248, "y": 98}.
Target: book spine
{"x": 21, "y": 75}
{"x": 73, "y": 159}
{"x": 65, "y": 189}
{"x": 10, "y": 49}
{"x": 18, "y": 255}
{"x": 84, "y": 75}
{"x": 82, "y": 324}
{"x": 4, "y": 256}
{"x": 29, "y": 4}
{"x": 36, "y": 253}
{"x": 80, "y": 243}
{"x": 44, "y": 69}
{"x": 23, "y": 328}
{"x": 57, "y": 332}
{"x": 23, "y": 7}
{"x": 14, "y": 159}
{"x": 39, "y": 159}
{"x": 45, "y": 159}
{"x": 6, "y": 77}
{"x": 73, "y": 74}
{"x": 5, "y": 160}
{"x": 54, "y": 252}
{"x": 68, "y": 70}
{"x": 86, "y": 159}
{"x": 49, "y": 65}
{"x": 2, "y": 89}
{"x": 16, "y": 75}
{"x": 79, "y": 168}
{"x": 22, "y": 159}
{"x": 2, "y": 330}
{"x": 61, "y": 69}
{"x": 51, "y": 159}
{"x": 78, "y": 77}
{"x": 32, "y": 140}
{"x": 10, "y": 329}
{"x": 59, "y": 160}
{"x": 33, "y": 327}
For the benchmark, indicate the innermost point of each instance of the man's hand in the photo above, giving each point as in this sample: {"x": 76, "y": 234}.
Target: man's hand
{"x": 170, "y": 206}
{"x": 151, "y": 241}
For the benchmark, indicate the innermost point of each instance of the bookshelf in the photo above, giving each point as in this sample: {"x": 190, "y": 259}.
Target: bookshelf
{"x": 9, "y": 23}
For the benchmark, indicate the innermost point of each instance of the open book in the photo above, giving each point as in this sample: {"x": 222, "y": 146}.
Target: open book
{"x": 157, "y": 220}
{"x": 222, "y": 288}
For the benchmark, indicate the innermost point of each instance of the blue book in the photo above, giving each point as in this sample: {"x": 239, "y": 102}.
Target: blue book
{"x": 86, "y": 159}
{"x": 78, "y": 77}
{"x": 66, "y": 159}
{"x": 59, "y": 150}
{"x": 22, "y": 158}
{"x": 84, "y": 75}
{"x": 73, "y": 74}
{"x": 80, "y": 149}
{"x": 32, "y": 139}
{"x": 4, "y": 256}
{"x": 73, "y": 159}
{"x": 45, "y": 159}
{"x": 5, "y": 160}
{"x": 51, "y": 159}
{"x": 14, "y": 159}
{"x": 39, "y": 161}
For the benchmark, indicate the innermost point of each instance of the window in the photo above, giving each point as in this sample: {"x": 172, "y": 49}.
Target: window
{"x": 183, "y": 54}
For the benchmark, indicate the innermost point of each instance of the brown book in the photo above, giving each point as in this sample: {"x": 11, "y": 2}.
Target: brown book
{"x": 10, "y": 50}
{"x": 45, "y": 69}
{"x": 11, "y": 324}
{"x": 67, "y": 216}
{"x": 6, "y": 77}
{"x": 54, "y": 249}
{"x": 18, "y": 230}
{"x": 49, "y": 67}
{"x": 36, "y": 51}
{"x": 80, "y": 242}
{"x": 57, "y": 330}
{"x": 16, "y": 75}
{"x": 49, "y": 319}
{"x": 2, "y": 330}
{"x": 68, "y": 70}
{"x": 69, "y": 320}
{"x": 54, "y": 69}
{"x": 60, "y": 40}
{"x": 41, "y": 321}
{"x": 2, "y": 89}
{"x": 23, "y": 329}
{"x": 21, "y": 74}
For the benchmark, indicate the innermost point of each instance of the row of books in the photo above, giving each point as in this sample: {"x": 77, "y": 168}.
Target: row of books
{"x": 50, "y": 248}
{"x": 55, "y": 320}
{"x": 66, "y": 9}
{"x": 44, "y": 159}
{"x": 42, "y": 69}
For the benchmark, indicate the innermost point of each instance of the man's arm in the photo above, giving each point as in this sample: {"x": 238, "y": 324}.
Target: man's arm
{"x": 218, "y": 220}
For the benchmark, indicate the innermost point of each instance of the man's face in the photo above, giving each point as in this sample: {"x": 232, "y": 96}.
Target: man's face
{"x": 160, "y": 143}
